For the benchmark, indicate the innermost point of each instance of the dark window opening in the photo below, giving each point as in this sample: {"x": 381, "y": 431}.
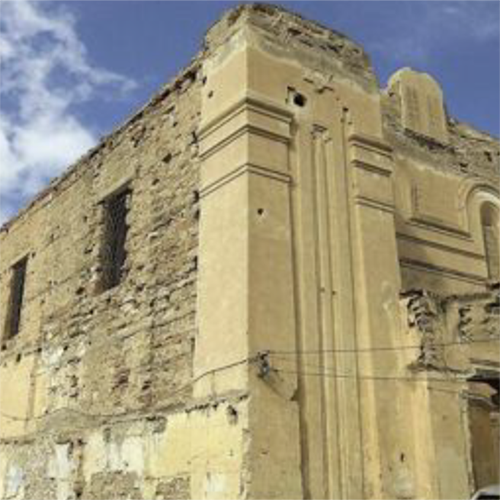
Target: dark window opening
{"x": 113, "y": 253}
{"x": 483, "y": 416}
{"x": 489, "y": 223}
{"x": 16, "y": 299}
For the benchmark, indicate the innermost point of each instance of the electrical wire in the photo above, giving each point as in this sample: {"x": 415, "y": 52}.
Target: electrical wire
{"x": 463, "y": 394}
{"x": 128, "y": 412}
{"x": 276, "y": 354}
{"x": 328, "y": 374}
{"x": 383, "y": 348}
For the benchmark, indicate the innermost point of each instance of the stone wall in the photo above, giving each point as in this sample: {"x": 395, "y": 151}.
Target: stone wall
{"x": 453, "y": 350}
{"x": 92, "y": 374}
{"x": 257, "y": 345}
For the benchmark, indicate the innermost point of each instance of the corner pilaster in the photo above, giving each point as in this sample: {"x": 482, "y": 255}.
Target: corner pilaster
{"x": 245, "y": 279}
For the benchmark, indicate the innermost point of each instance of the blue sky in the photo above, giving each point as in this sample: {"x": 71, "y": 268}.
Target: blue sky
{"x": 72, "y": 71}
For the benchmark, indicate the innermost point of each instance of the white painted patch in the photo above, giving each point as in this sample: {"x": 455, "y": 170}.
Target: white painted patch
{"x": 14, "y": 487}
{"x": 215, "y": 484}
{"x": 60, "y": 467}
{"x": 132, "y": 453}
{"x": 94, "y": 456}
{"x": 113, "y": 456}
{"x": 403, "y": 484}
{"x": 51, "y": 357}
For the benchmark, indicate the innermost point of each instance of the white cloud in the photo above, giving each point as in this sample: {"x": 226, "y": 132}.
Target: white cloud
{"x": 473, "y": 20}
{"x": 44, "y": 72}
{"x": 424, "y": 26}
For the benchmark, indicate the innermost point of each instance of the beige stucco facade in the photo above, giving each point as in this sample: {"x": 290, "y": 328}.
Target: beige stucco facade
{"x": 309, "y": 308}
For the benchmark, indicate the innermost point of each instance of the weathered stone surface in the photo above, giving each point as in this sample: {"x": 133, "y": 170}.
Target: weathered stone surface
{"x": 304, "y": 298}
{"x": 422, "y": 106}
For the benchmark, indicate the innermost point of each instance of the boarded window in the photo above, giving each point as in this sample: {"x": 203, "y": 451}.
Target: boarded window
{"x": 489, "y": 223}
{"x": 16, "y": 299}
{"x": 113, "y": 251}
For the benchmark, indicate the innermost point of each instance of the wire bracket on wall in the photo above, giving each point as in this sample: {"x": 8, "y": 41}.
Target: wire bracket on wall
{"x": 263, "y": 363}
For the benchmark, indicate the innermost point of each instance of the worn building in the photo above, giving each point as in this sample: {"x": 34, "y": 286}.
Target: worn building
{"x": 276, "y": 280}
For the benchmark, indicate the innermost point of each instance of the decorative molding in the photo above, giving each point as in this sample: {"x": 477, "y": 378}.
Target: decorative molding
{"x": 372, "y": 143}
{"x": 249, "y": 116}
{"x": 237, "y": 124}
{"x": 244, "y": 169}
{"x": 444, "y": 271}
{"x": 438, "y": 227}
{"x": 370, "y": 154}
{"x": 376, "y": 204}
{"x": 440, "y": 246}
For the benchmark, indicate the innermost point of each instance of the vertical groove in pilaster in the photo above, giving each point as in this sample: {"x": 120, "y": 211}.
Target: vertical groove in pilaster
{"x": 351, "y": 236}
{"x": 308, "y": 327}
{"x": 337, "y": 398}
{"x": 324, "y": 216}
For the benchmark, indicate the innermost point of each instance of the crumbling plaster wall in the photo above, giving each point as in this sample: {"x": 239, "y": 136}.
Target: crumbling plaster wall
{"x": 98, "y": 387}
{"x": 88, "y": 368}
{"x": 452, "y": 356}
{"x": 453, "y": 330}
{"x": 450, "y": 340}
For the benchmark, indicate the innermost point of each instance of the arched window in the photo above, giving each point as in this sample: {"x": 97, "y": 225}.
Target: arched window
{"x": 489, "y": 223}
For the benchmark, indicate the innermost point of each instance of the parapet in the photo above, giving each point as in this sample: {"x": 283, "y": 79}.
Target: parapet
{"x": 290, "y": 35}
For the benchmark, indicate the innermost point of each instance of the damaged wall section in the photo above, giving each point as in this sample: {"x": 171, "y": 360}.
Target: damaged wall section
{"x": 94, "y": 374}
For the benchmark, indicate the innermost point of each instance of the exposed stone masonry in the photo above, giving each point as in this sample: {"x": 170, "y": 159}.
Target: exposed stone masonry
{"x": 282, "y": 208}
{"x": 125, "y": 352}
{"x": 470, "y": 153}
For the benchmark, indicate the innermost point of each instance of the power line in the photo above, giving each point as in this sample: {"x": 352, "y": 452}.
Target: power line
{"x": 465, "y": 394}
{"x": 320, "y": 364}
{"x": 383, "y": 348}
{"x": 276, "y": 355}
{"x": 372, "y": 377}
{"x": 272, "y": 352}
{"x": 128, "y": 412}
{"x": 381, "y": 378}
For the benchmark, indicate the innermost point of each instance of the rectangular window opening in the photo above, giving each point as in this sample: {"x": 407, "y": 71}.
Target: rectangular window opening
{"x": 17, "y": 286}
{"x": 113, "y": 253}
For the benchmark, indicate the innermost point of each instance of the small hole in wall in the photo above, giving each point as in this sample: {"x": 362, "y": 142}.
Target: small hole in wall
{"x": 296, "y": 98}
{"x": 210, "y": 94}
{"x": 402, "y": 457}
{"x": 260, "y": 211}
{"x": 299, "y": 100}
{"x": 19, "y": 357}
{"x": 204, "y": 80}
{"x": 232, "y": 415}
